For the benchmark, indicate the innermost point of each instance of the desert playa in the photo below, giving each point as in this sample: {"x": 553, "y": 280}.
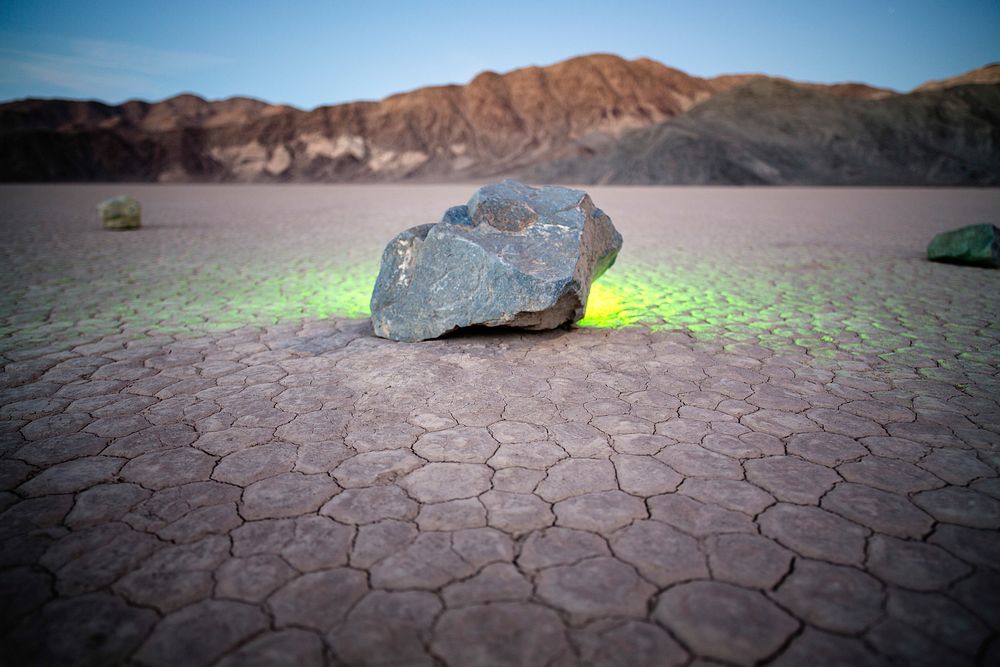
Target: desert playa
{"x": 774, "y": 437}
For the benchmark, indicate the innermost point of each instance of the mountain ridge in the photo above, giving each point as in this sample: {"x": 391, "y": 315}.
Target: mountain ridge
{"x": 770, "y": 132}
{"x": 496, "y": 124}
{"x": 724, "y": 78}
{"x": 987, "y": 74}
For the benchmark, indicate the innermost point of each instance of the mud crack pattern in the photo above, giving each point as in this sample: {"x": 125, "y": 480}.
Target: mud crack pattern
{"x": 778, "y": 441}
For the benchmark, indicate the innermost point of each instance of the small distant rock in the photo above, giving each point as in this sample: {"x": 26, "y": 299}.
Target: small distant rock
{"x": 121, "y": 212}
{"x": 513, "y": 256}
{"x": 975, "y": 245}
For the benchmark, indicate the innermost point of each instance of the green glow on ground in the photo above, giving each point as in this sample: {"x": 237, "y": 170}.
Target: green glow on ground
{"x": 616, "y": 302}
{"x": 641, "y": 295}
{"x": 604, "y": 306}
{"x": 777, "y": 301}
{"x": 334, "y": 292}
{"x": 219, "y": 300}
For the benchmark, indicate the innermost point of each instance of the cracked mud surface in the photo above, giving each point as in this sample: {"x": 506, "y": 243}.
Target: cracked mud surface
{"x": 790, "y": 454}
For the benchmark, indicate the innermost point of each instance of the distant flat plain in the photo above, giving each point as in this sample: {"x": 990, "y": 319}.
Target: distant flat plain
{"x": 213, "y": 256}
{"x": 775, "y": 436}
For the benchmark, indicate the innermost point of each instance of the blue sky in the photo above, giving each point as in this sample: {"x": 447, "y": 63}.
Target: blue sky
{"x": 310, "y": 53}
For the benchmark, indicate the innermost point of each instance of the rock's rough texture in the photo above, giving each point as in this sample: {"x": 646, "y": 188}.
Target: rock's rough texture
{"x": 121, "y": 212}
{"x": 514, "y": 256}
{"x": 977, "y": 245}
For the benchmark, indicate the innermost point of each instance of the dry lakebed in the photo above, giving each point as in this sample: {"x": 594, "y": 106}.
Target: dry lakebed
{"x": 775, "y": 438}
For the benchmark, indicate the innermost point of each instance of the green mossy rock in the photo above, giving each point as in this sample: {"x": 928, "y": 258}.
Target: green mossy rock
{"x": 974, "y": 245}
{"x": 119, "y": 213}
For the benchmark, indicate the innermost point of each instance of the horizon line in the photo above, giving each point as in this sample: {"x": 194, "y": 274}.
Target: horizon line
{"x": 188, "y": 93}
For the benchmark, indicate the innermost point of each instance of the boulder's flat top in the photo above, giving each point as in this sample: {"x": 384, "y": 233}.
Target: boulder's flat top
{"x": 776, "y": 436}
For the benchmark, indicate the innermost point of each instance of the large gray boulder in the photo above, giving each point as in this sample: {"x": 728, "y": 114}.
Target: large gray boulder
{"x": 514, "y": 256}
{"x": 975, "y": 245}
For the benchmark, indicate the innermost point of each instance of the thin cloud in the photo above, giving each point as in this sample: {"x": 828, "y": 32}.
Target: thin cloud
{"x": 98, "y": 68}
{"x": 28, "y": 73}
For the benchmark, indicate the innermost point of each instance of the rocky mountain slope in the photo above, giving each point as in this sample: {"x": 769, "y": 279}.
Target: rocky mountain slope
{"x": 496, "y": 124}
{"x": 982, "y": 75}
{"x": 773, "y": 132}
